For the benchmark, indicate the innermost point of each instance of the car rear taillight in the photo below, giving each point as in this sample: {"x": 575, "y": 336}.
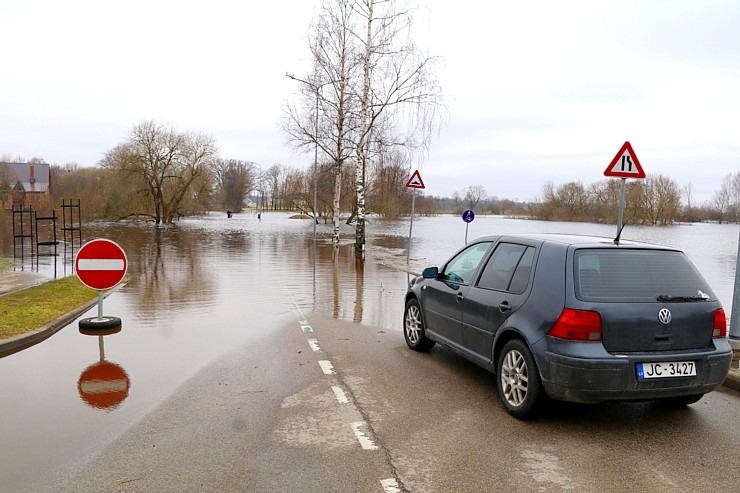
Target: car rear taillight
{"x": 720, "y": 323}
{"x": 577, "y": 325}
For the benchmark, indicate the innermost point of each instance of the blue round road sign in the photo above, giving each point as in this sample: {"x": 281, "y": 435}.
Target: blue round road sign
{"x": 468, "y": 216}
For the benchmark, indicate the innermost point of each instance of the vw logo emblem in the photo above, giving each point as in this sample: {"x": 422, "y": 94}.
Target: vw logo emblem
{"x": 664, "y": 315}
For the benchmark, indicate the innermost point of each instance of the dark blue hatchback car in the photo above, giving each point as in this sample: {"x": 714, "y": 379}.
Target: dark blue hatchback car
{"x": 574, "y": 318}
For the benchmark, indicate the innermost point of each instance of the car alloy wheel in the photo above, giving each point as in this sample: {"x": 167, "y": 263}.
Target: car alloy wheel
{"x": 413, "y": 324}
{"x": 514, "y": 378}
{"x": 519, "y": 384}
{"x": 413, "y": 328}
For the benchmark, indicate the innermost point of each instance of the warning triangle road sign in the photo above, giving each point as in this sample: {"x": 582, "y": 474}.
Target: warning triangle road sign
{"x": 625, "y": 164}
{"x": 415, "y": 181}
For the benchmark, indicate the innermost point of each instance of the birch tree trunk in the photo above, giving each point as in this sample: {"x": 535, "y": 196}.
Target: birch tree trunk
{"x": 364, "y": 130}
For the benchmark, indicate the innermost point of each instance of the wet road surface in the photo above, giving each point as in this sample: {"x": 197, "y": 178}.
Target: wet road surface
{"x": 282, "y": 413}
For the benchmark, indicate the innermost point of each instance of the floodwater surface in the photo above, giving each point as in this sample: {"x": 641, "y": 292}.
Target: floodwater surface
{"x": 206, "y": 285}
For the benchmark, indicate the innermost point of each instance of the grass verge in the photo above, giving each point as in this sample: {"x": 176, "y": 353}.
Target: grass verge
{"x": 6, "y": 263}
{"x": 30, "y": 308}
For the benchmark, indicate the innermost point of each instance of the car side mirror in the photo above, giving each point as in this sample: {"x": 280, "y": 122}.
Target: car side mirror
{"x": 430, "y": 273}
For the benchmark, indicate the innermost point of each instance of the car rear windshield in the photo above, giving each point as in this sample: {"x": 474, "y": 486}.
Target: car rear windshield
{"x": 617, "y": 275}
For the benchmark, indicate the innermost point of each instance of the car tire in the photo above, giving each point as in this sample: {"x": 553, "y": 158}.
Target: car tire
{"x": 680, "y": 401}
{"x": 104, "y": 323}
{"x": 519, "y": 385}
{"x": 413, "y": 327}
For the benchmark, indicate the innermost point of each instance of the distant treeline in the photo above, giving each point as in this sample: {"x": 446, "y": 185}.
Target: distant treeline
{"x": 657, "y": 199}
{"x": 114, "y": 192}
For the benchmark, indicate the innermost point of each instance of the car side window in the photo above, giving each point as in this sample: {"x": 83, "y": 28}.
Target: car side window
{"x": 461, "y": 268}
{"x": 508, "y": 269}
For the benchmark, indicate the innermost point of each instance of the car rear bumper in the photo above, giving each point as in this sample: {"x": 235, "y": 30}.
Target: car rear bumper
{"x": 615, "y": 378}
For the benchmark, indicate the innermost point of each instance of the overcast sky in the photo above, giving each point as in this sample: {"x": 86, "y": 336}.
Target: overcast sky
{"x": 535, "y": 90}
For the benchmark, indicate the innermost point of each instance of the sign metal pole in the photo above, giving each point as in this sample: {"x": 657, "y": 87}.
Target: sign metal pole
{"x": 414, "y": 183}
{"x": 621, "y": 207}
{"x": 100, "y": 304}
{"x": 411, "y": 226}
{"x": 734, "y": 336}
{"x": 624, "y": 165}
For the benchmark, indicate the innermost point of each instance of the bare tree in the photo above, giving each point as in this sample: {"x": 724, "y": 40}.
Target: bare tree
{"x": 372, "y": 90}
{"x": 688, "y": 191}
{"x": 168, "y": 163}
{"x": 325, "y": 119}
{"x": 398, "y": 91}
{"x": 5, "y": 174}
{"x": 297, "y": 190}
{"x": 333, "y": 53}
{"x": 475, "y": 194}
{"x": 6, "y": 179}
{"x": 659, "y": 199}
{"x": 722, "y": 198}
{"x": 272, "y": 179}
{"x": 604, "y": 200}
{"x": 387, "y": 189}
{"x": 734, "y": 209}
{"x": 235, "y": 179}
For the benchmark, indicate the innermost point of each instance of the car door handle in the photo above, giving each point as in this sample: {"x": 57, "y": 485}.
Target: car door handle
{"x": 460, "y": 297}
{"x": 504, "y": 306}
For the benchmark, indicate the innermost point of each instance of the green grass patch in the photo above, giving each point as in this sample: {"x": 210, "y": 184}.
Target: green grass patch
{"x": 6, "y": 264}
{"x": 30, "y": 308}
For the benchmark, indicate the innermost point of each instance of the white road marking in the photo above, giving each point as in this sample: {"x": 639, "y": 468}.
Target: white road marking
{"x": 360, "y": 429}
{"x": 327, "y": 367}
{"x": 341, "y": 396}
{"x": 100, "y": 264}
{"x": 390, "y": 485}
{"x": 306, "y": 328}
{"x": 314, "y": 343}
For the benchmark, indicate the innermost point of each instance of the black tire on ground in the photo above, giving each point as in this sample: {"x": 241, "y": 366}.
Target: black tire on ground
{"x": 413, "y": 328}
{"x": 519, "y": 385}
{"x": 104, "y": 323}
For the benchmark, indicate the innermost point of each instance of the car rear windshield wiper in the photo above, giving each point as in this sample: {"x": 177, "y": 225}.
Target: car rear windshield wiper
{"x": 679, "y": 299}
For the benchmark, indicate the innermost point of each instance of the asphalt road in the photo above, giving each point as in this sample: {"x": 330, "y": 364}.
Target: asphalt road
{"x": 322, "y": 405}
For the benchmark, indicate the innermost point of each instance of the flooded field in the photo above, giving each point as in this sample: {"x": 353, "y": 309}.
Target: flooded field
{"x": 207, "y": 285}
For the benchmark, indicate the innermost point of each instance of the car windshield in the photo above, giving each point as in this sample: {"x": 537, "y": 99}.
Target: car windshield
{"x": 637, "y": 275}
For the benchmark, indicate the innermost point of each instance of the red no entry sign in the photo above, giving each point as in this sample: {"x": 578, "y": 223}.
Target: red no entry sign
{"x": 100, "y": 264}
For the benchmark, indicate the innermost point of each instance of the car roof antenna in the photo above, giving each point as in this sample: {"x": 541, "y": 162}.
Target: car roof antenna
{"x": 619, "y": 234}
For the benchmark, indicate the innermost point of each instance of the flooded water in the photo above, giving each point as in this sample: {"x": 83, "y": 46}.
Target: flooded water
{"x": 207, "y": 285}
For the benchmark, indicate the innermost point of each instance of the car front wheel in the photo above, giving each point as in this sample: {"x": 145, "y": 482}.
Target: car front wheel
{"x": 519, "y": 385}
{"x": 413, "y": 328}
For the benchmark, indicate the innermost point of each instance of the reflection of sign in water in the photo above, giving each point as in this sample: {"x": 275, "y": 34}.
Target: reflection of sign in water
{"x": 103, "y": 385}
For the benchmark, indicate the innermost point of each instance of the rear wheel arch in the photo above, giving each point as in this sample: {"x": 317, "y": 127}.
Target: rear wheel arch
{"x": 501, "y": 340}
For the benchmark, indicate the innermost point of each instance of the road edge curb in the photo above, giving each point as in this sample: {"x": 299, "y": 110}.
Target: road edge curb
{"x": 733, "y": 380}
